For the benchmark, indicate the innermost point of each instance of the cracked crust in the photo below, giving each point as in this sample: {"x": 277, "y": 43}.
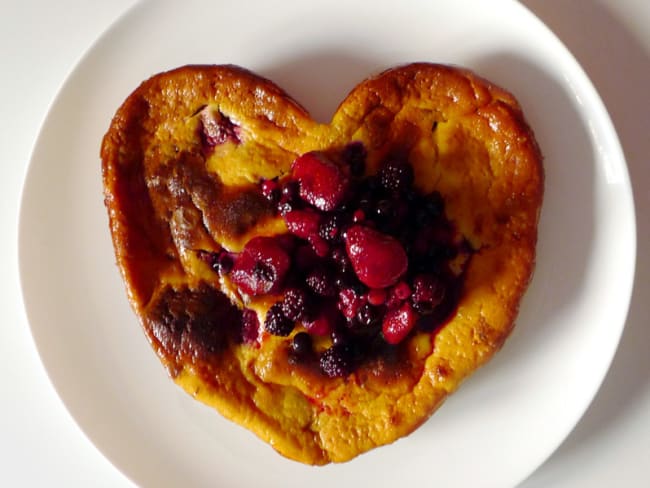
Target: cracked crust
{"x": 166, "y": 197}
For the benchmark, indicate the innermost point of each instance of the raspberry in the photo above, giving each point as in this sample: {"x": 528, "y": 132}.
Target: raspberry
{"x": 402, "y": 290}
{"x": 398, "y": 323}
{"x": 378, "y": 259}
{"x": 261, "y": 267}
{"x": 216, "y": 128}
{"x": 291, "y": 190}
{"x": 349, "y": 303}
{"x": 250, "y": 326}
{"x": 294, "y": 304}
{"x": 396, "y": 175}
{"x": 377, "y": 296}
{"x": 302, "y": 223}
{"x": 276, "y": 322}
{"x": 319, "y": 245}
{"x": 322, "y": 183}
{"x": 305, "y": 258}
{"x": 271, "y": 190}
{"x": 358, "y": 216}
{"x": 324, "y": 322}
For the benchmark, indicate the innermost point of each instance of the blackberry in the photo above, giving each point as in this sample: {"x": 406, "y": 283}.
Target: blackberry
{"x": 340, "y": 337}
{"x": 368, "y": 316}
{"x": 320, "y": 281}
{"x": 336, "y": 361}
{"x": 435, "y": 205}
{"x": 396, "y": 175}
{"x": 330, "y": 228}
{"x": 277, "y": 323}
{"x": 428, "y": 292}
{"x": 366, "y": 206}
{"x": 354, "y": 154}
{"x": 385, "y": 210}
{"x": 372, "y": 184}
{"x": 291, "y": 191}
{"x": 225, "y": 263}
{"x": 294, "y": 304}
{"x": 341, "y": 260}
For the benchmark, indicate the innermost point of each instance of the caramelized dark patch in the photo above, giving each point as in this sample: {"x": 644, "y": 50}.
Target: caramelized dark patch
{"x": 226, "y": 212}
{"x": 192, "y": 324}
{"x": 238, "y": 210}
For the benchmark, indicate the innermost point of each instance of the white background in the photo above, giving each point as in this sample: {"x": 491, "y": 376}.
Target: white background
{"x": 39, "y": 443}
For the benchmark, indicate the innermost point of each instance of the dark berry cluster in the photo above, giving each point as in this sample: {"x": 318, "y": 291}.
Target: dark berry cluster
{"x": 365, "y": 260}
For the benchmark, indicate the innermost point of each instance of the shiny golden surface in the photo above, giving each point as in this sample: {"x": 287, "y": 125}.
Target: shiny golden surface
{"x": 466, "y": 139}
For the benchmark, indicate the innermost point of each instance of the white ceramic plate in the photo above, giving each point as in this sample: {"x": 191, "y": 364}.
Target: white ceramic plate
{"x": 507, "y": 418}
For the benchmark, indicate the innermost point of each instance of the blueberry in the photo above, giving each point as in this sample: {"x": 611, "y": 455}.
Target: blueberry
{"x": 301, "y": 345}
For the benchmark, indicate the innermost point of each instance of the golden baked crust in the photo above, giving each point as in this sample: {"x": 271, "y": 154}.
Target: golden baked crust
{"x": 167, "y": 197}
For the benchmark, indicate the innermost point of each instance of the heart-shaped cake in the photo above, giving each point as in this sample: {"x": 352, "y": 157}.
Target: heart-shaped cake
{"x": 326, "y": 286}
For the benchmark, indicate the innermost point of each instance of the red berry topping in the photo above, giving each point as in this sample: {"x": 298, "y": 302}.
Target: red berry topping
{"x": 428, "y": 292}
{"x": 377, "y": 296}
{"x": 305, "y": 258}
{"x": 271, "y": 190}
{"x": 349, "y": 303}
{"x": 217, "y": 129}
{"x": 302, "y": 223}
{"x": 261, "y": 267}
{"x": 426, "y": 288}
{"x": 319, "y": 245}
{"x": 358, "y": 216}
{"x": 323, "y": 324}
{"x": 322, "y": 183}
{"x": 250, "y": 326}
{"x": 402, "y": 290}
{"x": 398, "y": 323}
{"x": 378, "y": 259}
